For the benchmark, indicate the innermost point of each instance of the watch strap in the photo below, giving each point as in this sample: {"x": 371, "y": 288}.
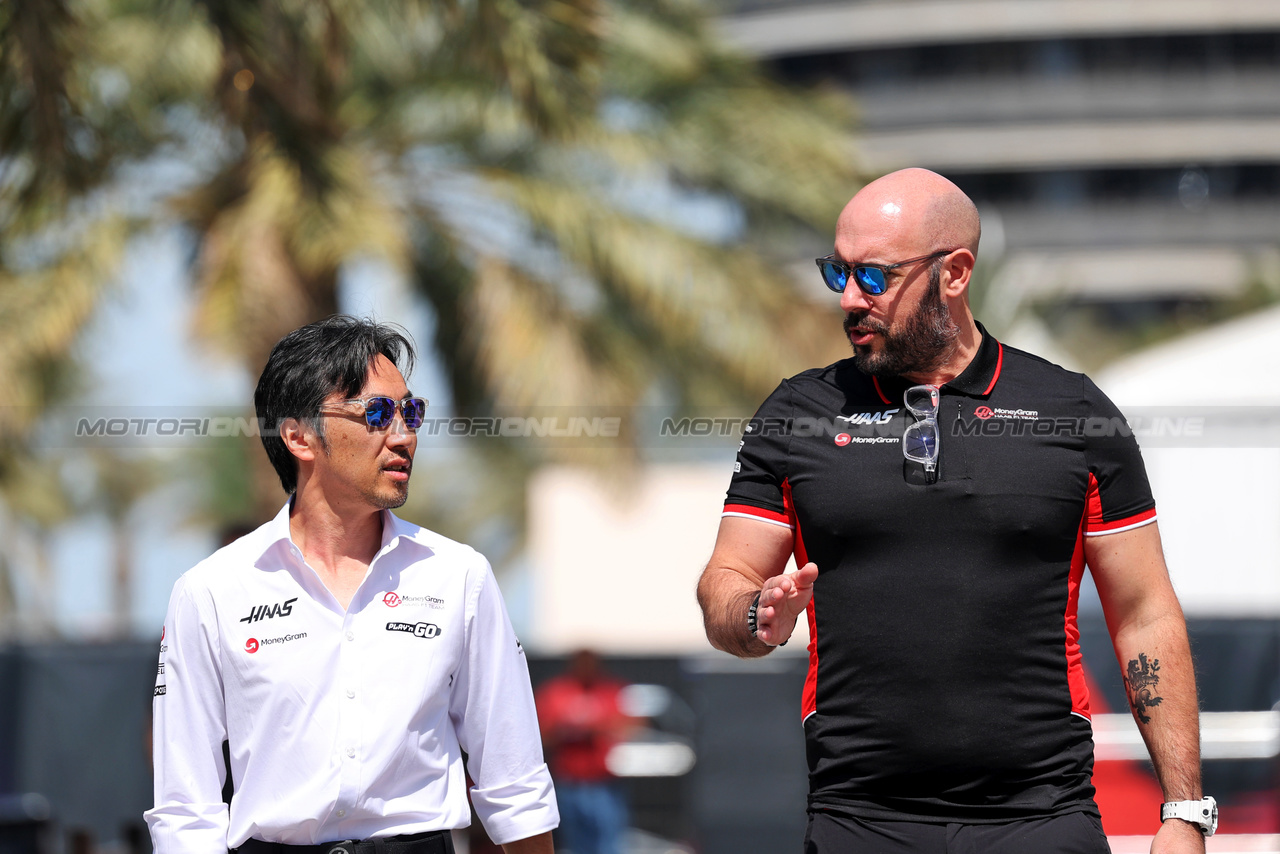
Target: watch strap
{"x": 751, "y": 622}
{"x": 1202, "y": 813}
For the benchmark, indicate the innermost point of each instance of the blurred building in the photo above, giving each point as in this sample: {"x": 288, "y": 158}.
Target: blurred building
{"x": 1126, "y": 155}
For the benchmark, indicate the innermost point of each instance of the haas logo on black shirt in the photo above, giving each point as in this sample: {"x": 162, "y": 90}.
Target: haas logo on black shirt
{"x": 266, "y": 612}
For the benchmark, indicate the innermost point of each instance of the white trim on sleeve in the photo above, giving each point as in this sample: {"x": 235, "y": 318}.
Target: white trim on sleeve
{"x": 1122, "y": 528}
{"x": 758, "y": 519}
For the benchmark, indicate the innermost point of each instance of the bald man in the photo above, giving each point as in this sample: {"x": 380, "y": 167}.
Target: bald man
{"x": 942, "y": 494}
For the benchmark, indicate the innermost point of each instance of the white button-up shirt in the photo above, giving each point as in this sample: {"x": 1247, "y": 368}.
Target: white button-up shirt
{"x": 342, "y": 724}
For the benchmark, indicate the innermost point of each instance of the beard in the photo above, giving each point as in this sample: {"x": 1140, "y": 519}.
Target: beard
{"x": 925, "y": 342}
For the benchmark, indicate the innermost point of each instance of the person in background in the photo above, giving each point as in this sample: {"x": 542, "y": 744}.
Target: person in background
{"x": 581, "y": 720}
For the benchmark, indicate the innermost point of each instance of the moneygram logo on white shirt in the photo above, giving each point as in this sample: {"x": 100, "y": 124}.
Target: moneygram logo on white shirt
{"x": 393, "y": 599}
{"x": 252, "y": 645}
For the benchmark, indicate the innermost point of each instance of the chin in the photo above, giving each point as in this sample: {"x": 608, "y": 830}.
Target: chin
{"x": 390, "y": 500}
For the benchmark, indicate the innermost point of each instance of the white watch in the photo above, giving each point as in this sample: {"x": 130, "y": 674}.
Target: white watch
{"x": 1202, "y": 813}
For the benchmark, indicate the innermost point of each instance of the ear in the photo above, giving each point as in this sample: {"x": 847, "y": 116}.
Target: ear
{"x": 957, "y": 273}
{"x": 300, "y": 439}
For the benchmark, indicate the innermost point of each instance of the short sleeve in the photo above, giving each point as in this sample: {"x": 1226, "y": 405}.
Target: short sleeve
{"x": 758, "y": 487}
{"x": 1119, "y": 494}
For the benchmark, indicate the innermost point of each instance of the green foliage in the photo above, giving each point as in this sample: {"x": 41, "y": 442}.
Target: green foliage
{"x": 584, "y": 191}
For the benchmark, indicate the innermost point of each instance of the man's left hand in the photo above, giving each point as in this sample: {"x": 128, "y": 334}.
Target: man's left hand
{"x": 1178, "y": 837}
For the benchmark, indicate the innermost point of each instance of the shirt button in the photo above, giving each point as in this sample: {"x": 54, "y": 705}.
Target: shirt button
{"x": 351, "y": 635}
{"x": 351, "y": 751}
{"x": 340, "y": 813}
{"x": 351, "y": 695}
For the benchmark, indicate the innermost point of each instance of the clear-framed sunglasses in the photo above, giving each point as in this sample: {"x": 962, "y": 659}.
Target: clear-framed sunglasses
{"x": 920, "y": 440}
{"x": 380, "y": 411}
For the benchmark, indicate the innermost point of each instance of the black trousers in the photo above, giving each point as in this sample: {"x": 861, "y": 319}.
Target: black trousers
{"x": 433, "y": 842}
{"x": 1073, "y": 833}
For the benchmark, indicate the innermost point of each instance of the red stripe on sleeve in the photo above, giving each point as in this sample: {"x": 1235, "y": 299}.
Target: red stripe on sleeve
{"x": 1120, "y": 524}
{"x": 1093, "y": 521}
{"x": 760, "y": 512}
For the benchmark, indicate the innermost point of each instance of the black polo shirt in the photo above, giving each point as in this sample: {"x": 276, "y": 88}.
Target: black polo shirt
{"x": 945, "y": 680}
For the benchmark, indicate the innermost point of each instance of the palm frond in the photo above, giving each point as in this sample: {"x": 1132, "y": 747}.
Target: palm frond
{"x": 271, "y": 246}
{"x": 725, "y": 303}
{"x": 49, "y": 152}
{"x": 42, "y": 311}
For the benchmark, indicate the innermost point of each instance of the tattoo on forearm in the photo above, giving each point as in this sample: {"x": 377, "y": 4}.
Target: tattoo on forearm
{"x": 1140, "y": 680}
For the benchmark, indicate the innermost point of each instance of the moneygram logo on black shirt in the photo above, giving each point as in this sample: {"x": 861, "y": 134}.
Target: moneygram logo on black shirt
{"x": 418, "y": 630}
{"x": 266, "y": 612}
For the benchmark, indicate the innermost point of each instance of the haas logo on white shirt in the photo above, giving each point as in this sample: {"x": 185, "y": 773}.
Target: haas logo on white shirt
{"x": 266, "y": 612}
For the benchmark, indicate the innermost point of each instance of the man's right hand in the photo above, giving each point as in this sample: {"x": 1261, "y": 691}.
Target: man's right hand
{"x": 782, "y": 600}
{"x": 749, "y": 558}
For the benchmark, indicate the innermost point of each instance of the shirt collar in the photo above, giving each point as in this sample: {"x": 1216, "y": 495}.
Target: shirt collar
{"x": 978, "y": 378}
{"x": 277, "y": 537}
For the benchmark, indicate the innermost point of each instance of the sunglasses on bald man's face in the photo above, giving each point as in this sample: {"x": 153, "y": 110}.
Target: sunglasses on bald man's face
{"x": 379, "y": 412}
{"x": 869, "y": 277}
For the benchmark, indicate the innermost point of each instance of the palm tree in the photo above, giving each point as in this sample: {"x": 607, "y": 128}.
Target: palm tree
{"x": 57, "y": 255}
{"x": 592, "y": 196}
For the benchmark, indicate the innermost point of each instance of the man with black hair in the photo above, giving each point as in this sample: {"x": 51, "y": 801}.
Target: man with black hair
{"x": 349, "y": 659}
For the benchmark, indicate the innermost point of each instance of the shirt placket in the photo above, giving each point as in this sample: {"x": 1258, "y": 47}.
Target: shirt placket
{"x": 351, "y": 717}
{"x": 951, "y": 443}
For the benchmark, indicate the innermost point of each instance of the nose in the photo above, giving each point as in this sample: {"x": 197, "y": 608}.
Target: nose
{"x": 852, "y": 298}
{"x": 399, "y": 435}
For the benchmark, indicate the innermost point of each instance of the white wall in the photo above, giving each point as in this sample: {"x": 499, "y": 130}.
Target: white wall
{"x": 1217, "y": 488}
{"x": 615, "y": 562}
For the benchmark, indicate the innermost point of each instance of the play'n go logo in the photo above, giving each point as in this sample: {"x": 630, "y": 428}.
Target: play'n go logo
{"x": 418, "y": 630}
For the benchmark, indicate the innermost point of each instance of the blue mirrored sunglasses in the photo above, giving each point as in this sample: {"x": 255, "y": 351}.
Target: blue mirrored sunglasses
{"x": 379, "y": 412}
{"x": 869, "y": 277}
